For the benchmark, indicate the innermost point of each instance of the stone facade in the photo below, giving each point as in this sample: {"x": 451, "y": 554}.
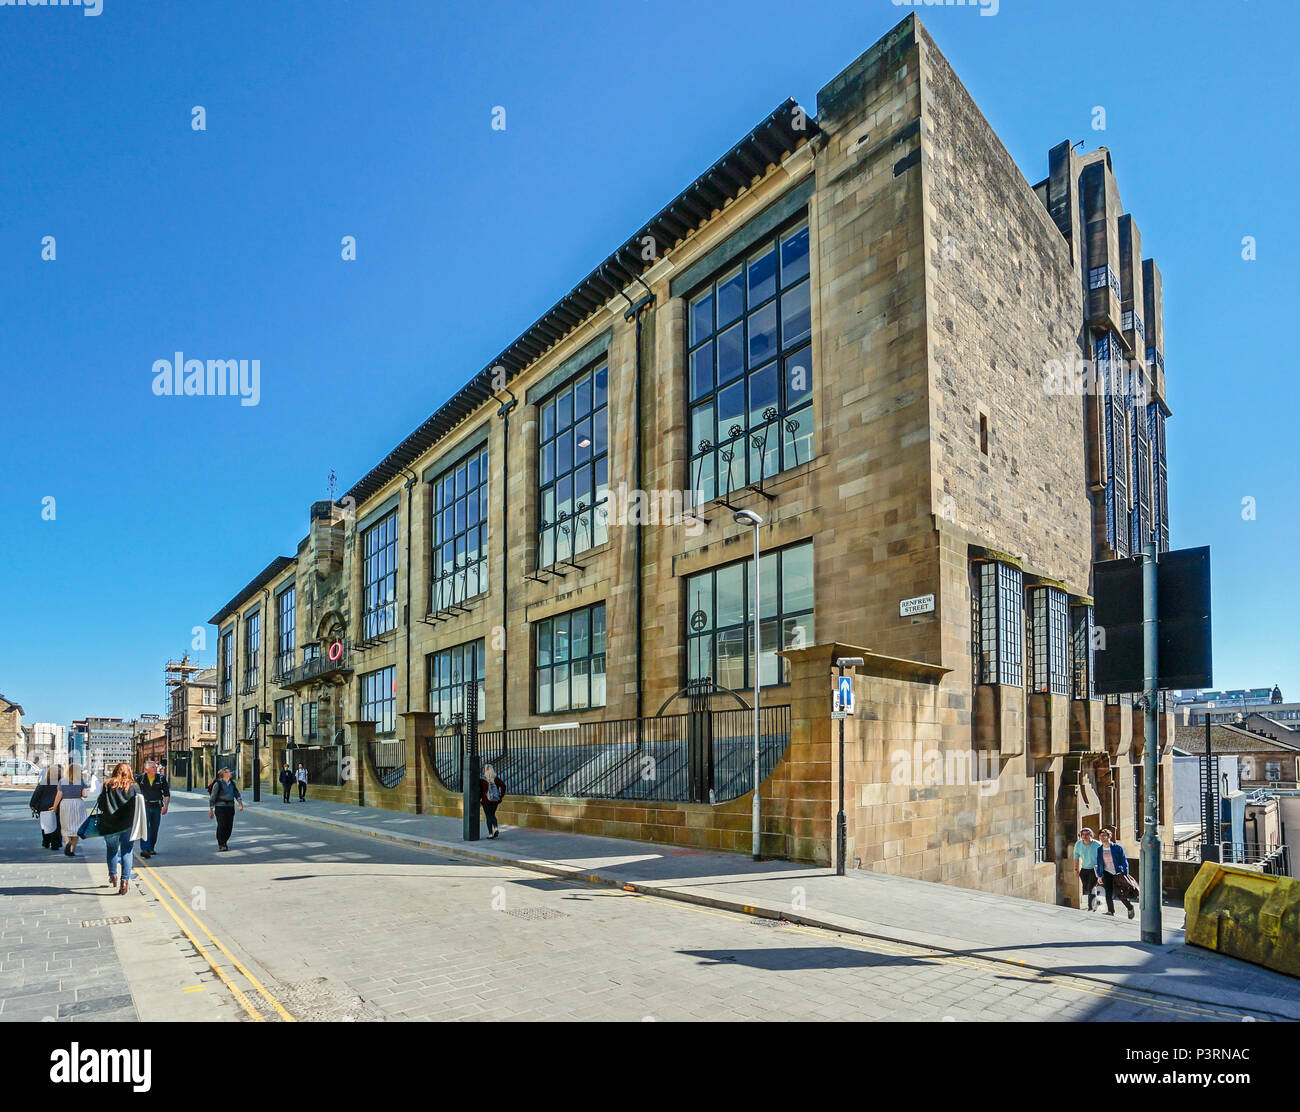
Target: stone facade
{"x": 941, "y": 285}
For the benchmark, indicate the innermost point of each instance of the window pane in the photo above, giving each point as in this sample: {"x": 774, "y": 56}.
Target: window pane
{"x": 563, "y": 452}
{"x": 702, "y": 371}
{"x": 769, "y": 664}
{"x": 701, "y": 316}
{"x": 762, "y": 335}
{"x": 543, "y": 644}
{"x": 699, "y": 658}
{"x": 731, "y": 297}
{"x": 731, "y": 354}
{"x": 564, "y": 410}
{"x": 763, "y": 395}
{"x": 796, "y": 315}
{"x": 731, "y": 410}
{"x": 798, "y": 379}
{"x": 599, "y": 432}
{"x": 767, "y": 585}
{"x": 582, "y": 398}
{"x": 579, "y": 634}
{"x": 762, "y": 277}
{"x": 598, "y": 681}
{"x": 794, "y": 256}
{"x": 731, "y": 658}
{"x": 582, "y": 439}
{"x": 560, "y": 630}
{"x": 701, "y": 426}
{"x": 543, "y": 691}
{"x": 699, "y": 599}
{"x": 560, "y": 687}
{"x": 579, "y": 689}
{"x": 598, "y": 629}
{"x": 731, "y": 595}
{"x": 598, "y": 381}
{"x": 797, "y": 578}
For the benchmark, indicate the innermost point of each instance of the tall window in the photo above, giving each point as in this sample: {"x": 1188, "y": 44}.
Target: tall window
{"x": 449, "y": 671}
{"x": 227, "y": 662}
{"x": 573, "y": 469}
{"x": 1113, "y": 375}
{"x": 208, "y": 724}
{"x": 459, "y": 562}
{"x": 379, "y": 699}
{"x": 999, "y": 620}
{"x": 252, "y": 648}
{"x": 750, "y": 368}
{"x": 1041, "y": 848}
{"x": 379, "y": 576}
{"x": 309, "y": 722}
{"x": 227, "y": 739}
{"x": 209, "y": 696}
{"x": 250, "y": 724}
{"x": 285, "y": 603}
{"x": 1050, "y": 633}
{"x": 570, "y": 660}
{"x": 1081, "y": 654}
{"x": 718, "y": 608}
{"x": 1159, "y": 476}
{"x": 284, "y": 716}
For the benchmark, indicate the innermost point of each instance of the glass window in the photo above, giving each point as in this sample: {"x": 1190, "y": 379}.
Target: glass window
{"x": 250, "y": 723}
{"x": 569, "y": 651}
{"x": 460, "y": 532}
{"x": 227, "y": 738}
{"x": 999, "y": 617}
{"x": 718, "y": 609}
{"x": 1041, "y": 848}
{"x": 227, "y": 670}
{"x": 379, "y": 576}
{"x": 1050, "y": 635}
{"x": 573, "y": 469}
{"x": 309, "y": 722}
{"x": 252, "y": 648}
{"x": 448, "y": 672}
{"x": 749, "y": 369}
{"x": 285, "y": 603}
{"x": 284, "y": 716}
{"x": 379, "y": 699}
{"x": 1081, "y": 650}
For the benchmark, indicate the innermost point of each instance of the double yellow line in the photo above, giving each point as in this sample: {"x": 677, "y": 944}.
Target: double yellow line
{"x": 146, "y": 872}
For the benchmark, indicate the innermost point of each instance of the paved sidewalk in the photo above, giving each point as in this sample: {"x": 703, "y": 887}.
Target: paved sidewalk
{"x": 1058, "y": 940}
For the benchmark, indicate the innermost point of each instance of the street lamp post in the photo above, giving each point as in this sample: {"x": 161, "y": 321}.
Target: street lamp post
{"x": 841, "y": 822}
{"x": 748, "y": 517}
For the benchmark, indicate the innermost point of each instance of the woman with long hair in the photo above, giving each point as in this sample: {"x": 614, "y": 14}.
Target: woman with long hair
{"x": 72, "y": 806}
{"x": 45, "y": 806}
{"x": 491, "y": 791}
{"x": 120, "y": 815}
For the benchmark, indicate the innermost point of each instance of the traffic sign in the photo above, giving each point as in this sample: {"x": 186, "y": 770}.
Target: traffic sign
{"x": 844, "y": 694}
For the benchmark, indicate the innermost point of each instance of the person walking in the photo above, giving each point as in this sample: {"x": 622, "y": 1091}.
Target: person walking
{"x": 301, "y": 777}
{"x": 1086, "y": 853}
{"x": 225, "y": 795}
{"x": 491, "y": 791}
{"x": 157, "y": 798}
{"x": 1113, "y": 864}
{"x": 72, "y": 806}
{"x": 121, "y": 823}
{"x": 286, "y": 781}
{"x": 44, "y": 804}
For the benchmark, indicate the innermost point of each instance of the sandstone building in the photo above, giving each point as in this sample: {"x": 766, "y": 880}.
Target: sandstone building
{"x": 860, "y": 325}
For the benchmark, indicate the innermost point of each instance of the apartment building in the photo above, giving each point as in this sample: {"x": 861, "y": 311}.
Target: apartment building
{"x": 191, "y": 726}
{"x": 858, "y": 325}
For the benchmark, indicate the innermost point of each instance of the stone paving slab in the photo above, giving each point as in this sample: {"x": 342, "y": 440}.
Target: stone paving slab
{"x": 960, "y": 921}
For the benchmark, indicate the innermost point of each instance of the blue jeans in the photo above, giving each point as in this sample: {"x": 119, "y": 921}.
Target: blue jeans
{"x": 153, "y": 817}
{"x": 118, "y": 849}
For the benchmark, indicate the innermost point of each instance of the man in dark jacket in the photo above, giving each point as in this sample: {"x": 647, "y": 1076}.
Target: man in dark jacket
{"x": 225, "y": 795}
{"x": 157, "y": 797}
{"x": 286, "y": 781}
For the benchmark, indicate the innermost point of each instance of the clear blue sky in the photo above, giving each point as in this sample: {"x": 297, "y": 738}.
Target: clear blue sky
{"x": 330, "y": 118}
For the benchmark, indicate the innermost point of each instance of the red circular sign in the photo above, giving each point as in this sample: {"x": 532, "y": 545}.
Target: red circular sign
{"x": 336, "y": 650}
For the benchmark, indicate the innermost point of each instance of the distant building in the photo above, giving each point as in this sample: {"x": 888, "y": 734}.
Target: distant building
{"x": 191, "y": 727}
{"x": 110, "y": 740}
{"x": 47, "y": 743}
{"x": 13, "y": 743}
{"x": 1224, "y": 706}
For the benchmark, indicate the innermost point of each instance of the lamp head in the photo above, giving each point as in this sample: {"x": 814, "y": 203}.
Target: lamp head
{"x": 747, "y": 517}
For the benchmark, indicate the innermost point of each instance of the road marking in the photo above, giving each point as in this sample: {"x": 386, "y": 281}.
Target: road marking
{"x": 212, "y": 964}
{"x": 279, "y": 1008}
{"x": 195, "y": 988}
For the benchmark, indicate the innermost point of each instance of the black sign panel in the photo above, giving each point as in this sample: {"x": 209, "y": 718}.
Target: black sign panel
{"x": 1183, "y": 649}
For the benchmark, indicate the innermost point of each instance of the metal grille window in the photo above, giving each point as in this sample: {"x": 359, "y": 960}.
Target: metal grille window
{"x": 1159, "y": 476}
{"x": 449, "y": 671}
{"x": 1081, "y": 652}
{"x": 250, "y": 724}
{"x": 1050, "y": 626}
{"x": 460, "y": 534}
{"x": 227, "y": 739}
{"x": 750, "y": 369}
{"x": 1041, "y": 848}
{"x": 1139, "y": 803}
{"x": 1140, "y": 513}
{"x": 379, "y": 699}
{"x": 1115, "y": 400}
{"x": 573, "y": 469}
{"x": 227, "y": 662}
{"x": 719, "y": 606}
{"x": 1099, "y": 277}
{"x": 309, "y": 722}
{"x": 999, "y": 632}
{"x": 379, "y": 576}
{"x": 285, "y": 605}
{"x": 284, "y": 716}
{"x": 252, "y": 648}
{"x": 570, "y": 660}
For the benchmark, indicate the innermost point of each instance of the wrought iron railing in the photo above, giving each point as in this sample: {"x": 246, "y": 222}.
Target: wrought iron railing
{"x": 1268, "y": 858}
{"x": 707, "y": 757}
{"x": 320, "y": 665}
{"x": 324, "y": 763}
{"x": 248, "y": 685}
{"x": 389, "y": 759}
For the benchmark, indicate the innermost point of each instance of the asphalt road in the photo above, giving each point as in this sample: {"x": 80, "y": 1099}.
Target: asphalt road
{"x": 306, "y": 923}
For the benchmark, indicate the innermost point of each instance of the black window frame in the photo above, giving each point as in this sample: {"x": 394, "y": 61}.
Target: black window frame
{"x": 998, "y": 626}
{"x": 379, "y": 576}
{"x": 225, "y": 739}
{"x": 453, "y": 659}
{"x": 715, "y": 453}
{"x": 310, "y": 732}
{"x": 251, "y": 723}
{"x": 285, "y": 616}
{"x": 252, "y": 648}
{"x": 547, "y": 663}
{"x": 378, "y": 692}
{"x": 560, "y": 531}
{"x": 455, "y": 495}
{"x": 226, "y": 672}
{"x": 772, "y": 569}
{"x": 1050, "y": 636}
{"x": 1082, "y": 662}
{"x": 282, "y": 719}
{"x": 1042, "y": 851}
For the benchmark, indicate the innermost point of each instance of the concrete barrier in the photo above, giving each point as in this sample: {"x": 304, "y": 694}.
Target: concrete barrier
{"x": 1246, "y": 914}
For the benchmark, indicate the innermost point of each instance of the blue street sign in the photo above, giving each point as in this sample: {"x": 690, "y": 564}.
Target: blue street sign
{"x": 844, "y": 701}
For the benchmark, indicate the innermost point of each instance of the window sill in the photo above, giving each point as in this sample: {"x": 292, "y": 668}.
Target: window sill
{"x": 585, "y": 554}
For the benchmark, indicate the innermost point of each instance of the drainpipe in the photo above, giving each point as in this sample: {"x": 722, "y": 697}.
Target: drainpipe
{"x": 633, "y": 313}
{"x": 504, "y": 414}
{"x": 410, "y": 528}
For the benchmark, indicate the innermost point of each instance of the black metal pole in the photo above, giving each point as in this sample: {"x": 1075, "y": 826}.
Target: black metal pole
{"x": 469, "y": 789}
{"x": 841, "y": 823}
{"x": 1210, "y": 835}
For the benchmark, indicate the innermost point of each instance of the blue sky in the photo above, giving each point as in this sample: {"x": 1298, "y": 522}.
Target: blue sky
{"x": 333, "y": 118}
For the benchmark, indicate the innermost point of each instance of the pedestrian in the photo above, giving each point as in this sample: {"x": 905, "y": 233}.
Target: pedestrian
{"x": 1086, "y": 852}
{"x": 72, "y": 806}
{"x": 301, "y": 776}
{"x": 491, "y": 791}
{"x": 286, "y": 780}
{"x": 157, "y": 798}
{"x": 225, "y": 795}
{"x": 121, "y": 822}
{"x": 1114, "y": 865}
{"x": 44, "y": 803}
